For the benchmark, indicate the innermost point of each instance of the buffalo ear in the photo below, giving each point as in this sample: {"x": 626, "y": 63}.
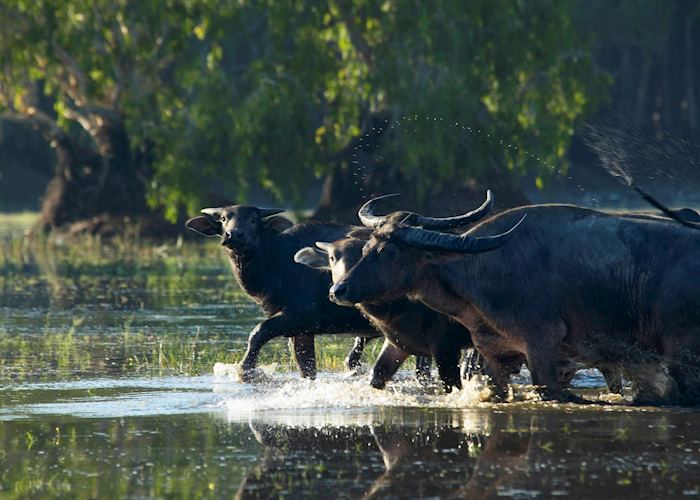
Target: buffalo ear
{"x": 360, "y": 233}
{"x": 204, "y": 224}
{"x": 213, "y": 212}
{"x": 277, "y": 224}
{"x": 312, "y": 257}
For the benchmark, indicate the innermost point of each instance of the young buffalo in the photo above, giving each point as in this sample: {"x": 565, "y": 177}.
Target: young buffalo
{"x": 409, "y": 327}
{"x": 260, "y": 246}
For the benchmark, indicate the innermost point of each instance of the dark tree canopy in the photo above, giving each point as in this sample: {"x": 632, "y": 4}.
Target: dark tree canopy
{"x": 174, "y": 102}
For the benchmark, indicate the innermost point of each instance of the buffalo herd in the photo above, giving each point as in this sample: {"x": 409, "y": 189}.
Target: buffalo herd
{"x": 557, "y": 287}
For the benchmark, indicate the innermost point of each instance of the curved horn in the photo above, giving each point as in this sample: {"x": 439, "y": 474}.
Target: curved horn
{"x": 434, "y": 240}
{"x": 212, "y": 212}
{"x": 267, "y": 212}
{"x": 676, "y": 215}
{"x": 369, "y": 219}
{"x": 457, "y": 220}
{"x": 326, "y": 247}
{"x": 366, "y": 212}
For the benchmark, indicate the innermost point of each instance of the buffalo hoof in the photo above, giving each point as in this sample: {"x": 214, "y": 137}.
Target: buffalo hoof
{"x": 423, "y": 378}
{"x": 498, "y": 398}
{"x": 351, "y": 365}
{"x": 448, "y": 386}
{"x": 498, "y": 394}
{"x": 377, "y": 384}
{"x": 250, "y": 375}
{"x": 566, "y": 396}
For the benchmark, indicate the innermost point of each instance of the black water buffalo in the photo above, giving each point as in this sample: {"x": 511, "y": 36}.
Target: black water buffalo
{"x": 572, "y": 285}
{"x": 261, "y": 247}
{"x": 408, "y": 327}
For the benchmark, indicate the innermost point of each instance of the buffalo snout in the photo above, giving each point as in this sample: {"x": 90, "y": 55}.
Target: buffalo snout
{"x": 233, "y": 239}
{"x": 340, "y": 294}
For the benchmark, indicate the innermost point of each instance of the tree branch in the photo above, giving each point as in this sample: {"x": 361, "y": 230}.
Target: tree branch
{"x": 358, "y": 41}
{"x": 55, "y": 135}
{"x": 76, "y": 84}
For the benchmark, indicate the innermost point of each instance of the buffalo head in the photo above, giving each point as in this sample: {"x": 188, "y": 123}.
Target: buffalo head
{"x": 397, "y": 255}
{"x": 239, "y": 226}
{"x": 337, "y": 257}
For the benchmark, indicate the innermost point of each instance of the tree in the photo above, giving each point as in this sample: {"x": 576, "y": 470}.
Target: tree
{"x": 375, "y": 94}
{"x": 167, "y": 104}
{"x": 104, "y": 67}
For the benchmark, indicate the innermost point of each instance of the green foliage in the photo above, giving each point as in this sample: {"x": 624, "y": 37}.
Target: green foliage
{"x": 225, "y": 96}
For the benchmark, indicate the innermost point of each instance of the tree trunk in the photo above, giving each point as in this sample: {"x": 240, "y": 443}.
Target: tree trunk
{"x": 93, "y": 189}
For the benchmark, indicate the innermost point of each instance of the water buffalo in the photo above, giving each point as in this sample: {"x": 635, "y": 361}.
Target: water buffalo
{"x": 409, "y": 327}
{"x": 261, "y": 247}
{"x": 572, "y": 285}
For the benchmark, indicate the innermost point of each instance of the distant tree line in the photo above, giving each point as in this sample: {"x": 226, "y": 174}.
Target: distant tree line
{"x": 160, "y": 107}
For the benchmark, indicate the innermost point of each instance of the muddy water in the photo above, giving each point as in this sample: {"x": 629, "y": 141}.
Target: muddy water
{"x": 108, "y": 389}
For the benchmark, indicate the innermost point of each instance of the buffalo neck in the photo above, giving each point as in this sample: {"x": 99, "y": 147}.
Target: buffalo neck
{"x": 384, "y": 311}
{"x": 252, "y": 268}
{"x": 446, "y": 288}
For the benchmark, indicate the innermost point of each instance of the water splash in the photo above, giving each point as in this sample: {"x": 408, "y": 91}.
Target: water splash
{"x": 363, "y": 167}
{"x": 638, "y": 156}
{"x": 333, "y": 391}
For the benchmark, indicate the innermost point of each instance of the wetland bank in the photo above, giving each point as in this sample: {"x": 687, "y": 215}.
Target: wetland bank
{"x": 108, "y": 389}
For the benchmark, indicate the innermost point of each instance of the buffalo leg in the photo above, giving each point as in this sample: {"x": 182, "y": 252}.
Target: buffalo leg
{"x": 279, "y": 325}
{"x": 471, "y": 363}
{"x": 304, "y": 353}
{"x": 447, "y": 361}
{"x": 423, "y": 365}
{"x": 653, "y": 383}
{"x": 493, "y": 349}
{"x": 388, "y": 362}
{"x": 354, "y": 357}
{"x": 498, "y": 375}
{"x": 543, "y": 362}
{"x": 613, "y": 378}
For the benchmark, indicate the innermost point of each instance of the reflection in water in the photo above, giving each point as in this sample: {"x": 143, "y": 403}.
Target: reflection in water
{"x": 520, "y": 454}
{"x": 159, "y": 437}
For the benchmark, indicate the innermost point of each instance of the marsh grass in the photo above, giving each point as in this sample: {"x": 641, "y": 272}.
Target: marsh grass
{"x": 54, "y": 279}
{"x": 70, "y": 355}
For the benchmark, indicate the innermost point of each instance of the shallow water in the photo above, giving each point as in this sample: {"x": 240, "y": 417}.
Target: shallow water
{"x": 107, "y": 388}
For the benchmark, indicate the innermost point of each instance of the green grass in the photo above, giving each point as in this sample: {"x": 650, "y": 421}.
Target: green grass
{"x": 51, "y": 273}
{"x": 69, "y": 355}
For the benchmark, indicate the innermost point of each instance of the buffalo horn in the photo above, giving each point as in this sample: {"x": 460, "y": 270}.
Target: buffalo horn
{"x": 326, "y": 247}
{"x": 212, "y": 212}
{"x": 434, "y": 240}
{"x": 457, "y": 220}
{"x": 366, "y": 212}
{"x": 369, "y": 219}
